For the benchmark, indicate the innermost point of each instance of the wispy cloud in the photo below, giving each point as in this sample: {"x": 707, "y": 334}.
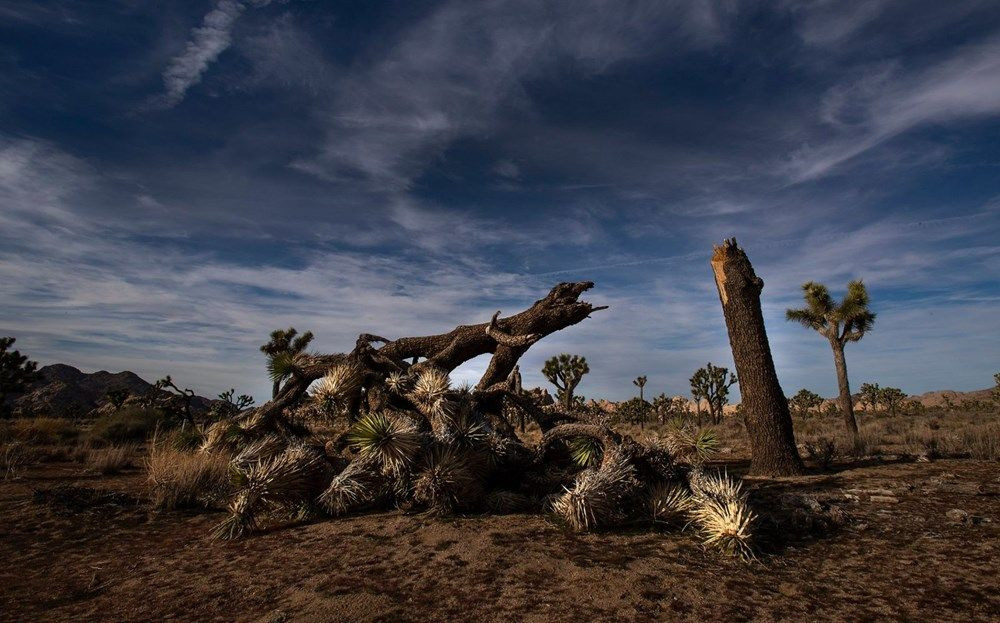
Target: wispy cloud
{"x": 204, "y": 46}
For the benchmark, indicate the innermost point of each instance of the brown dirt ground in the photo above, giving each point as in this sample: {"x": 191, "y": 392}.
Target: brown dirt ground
{"x": 117, "y": 561}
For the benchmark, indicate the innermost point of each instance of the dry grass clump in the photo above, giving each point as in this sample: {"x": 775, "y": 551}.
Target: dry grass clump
{"x": 182, "y": 479}
{"x": 41, "y": 431}
{"x": 13, "y": 457}
{"x": 114, "y": 459}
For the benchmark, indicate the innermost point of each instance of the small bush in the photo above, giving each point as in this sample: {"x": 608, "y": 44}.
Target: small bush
{"x": 109, "y": 461}
{"x": 181, "y": 479}
{"x": 822, "y": 451}
{"x": 129, "y": 424}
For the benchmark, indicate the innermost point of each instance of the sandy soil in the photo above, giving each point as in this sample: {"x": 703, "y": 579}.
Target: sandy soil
{"x": 96, "y": 553}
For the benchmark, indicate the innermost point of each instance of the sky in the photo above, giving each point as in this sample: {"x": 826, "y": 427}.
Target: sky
{"x": 179, "y": 179}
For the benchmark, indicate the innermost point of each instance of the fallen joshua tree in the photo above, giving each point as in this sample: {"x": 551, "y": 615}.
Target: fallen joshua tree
{"x": 419, "y": 444}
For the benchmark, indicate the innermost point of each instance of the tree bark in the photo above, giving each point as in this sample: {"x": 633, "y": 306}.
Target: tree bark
{"x": 506, "y": 338}
{"x": 769, "y": 423}
{"x": 846, "y": 403}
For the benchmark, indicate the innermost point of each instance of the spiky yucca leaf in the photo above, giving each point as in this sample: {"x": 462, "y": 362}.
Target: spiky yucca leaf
{"x": 391, "y": 442}
{"x": 280, "y": 366}
{"x": 261, "y": 449}
{"x": 669, "y": 502}
{"x": 360, "y": 483}
{"x": 598, "y": 496}
{"x": 431, "y": 386}
{"x": 461, "y": 430}
{"x": 285, "y": 480}
{"x": 717, "y": 486}
{"x": 446, "y": 481}
{"x": 696, "y": 444}
{"x": 341, "y": 383}
{"x": 586, "y": 451}
{"x": 398, "y": 383}
{"x": 726, "y": 525}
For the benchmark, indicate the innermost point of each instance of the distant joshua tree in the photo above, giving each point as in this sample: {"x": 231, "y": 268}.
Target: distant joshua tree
{"x": 16, "y": 372}
{"x": 565, "y": 372}
{"x": 869, "y": 395}
{"x": 996, "y": 388}
{"x": 281, "y": 351}
{"x": 892, "y": 398}
{"x": 640, "y": 382}
{"x": 804, "y": 401}
{"x": 840, "y": 323}
{"x": 711, "y": 384}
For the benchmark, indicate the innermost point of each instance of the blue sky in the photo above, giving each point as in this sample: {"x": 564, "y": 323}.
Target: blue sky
{"x": 178, "y": 179}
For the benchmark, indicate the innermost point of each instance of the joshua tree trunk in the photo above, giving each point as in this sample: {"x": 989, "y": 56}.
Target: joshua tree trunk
{"x": 768, "y": 421}
{"x": 846, "y": 403}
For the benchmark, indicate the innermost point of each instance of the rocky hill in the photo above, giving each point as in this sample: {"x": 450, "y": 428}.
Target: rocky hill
{"x": 65, "y": 391}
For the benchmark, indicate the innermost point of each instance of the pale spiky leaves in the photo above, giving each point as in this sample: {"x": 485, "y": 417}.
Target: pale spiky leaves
{"x": 335, "y": 391}
{"x": 669, "y": 502}
{"x": 360, "y": 483}
{"x": 722, "y": 513}
{"x": 389, "y": 441}
{"x": 446, "y": 481}
{"x": 285, "y": 480}
{"x": 398, "y": 383}
{"x": 431, "y": 387}
{"x": 697, "y": 445}
{"x": 726, "y": 525}
{"x": 262, "y": 449}
{"x": 598, "y": 496}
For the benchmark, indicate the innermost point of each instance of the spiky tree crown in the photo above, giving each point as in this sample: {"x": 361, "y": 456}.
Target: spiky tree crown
{"x": 565, "y": 370}
{"x": 847, "y": 321}
{"x": 640, "y": 381}
{"x": 712, "y": 384}
{"x": 281, "y": 350}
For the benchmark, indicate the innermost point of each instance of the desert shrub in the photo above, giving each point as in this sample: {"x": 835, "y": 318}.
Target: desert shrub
{"x": 182, "y": 479}
{"x": 114, "y": 459}
{"x": 42, "y": 430}
{"x": 822, "y": 451}
{"x": 133, "y": 423}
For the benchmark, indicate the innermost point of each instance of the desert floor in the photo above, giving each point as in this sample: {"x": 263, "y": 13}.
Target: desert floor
{"x": 79, "y": 547}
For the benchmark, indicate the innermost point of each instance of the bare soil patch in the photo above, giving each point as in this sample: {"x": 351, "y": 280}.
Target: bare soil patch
{"x": 87, "y": 547}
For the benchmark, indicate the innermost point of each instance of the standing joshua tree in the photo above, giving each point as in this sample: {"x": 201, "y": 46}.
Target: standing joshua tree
{"x": 565, "y": 372}
{"x": 710, "y": 383}
{"x": 16, "y": 372}
{"x": 281, "y": 352}
{"x": 840, "y": 323}
{"x": 640, "y": 382}
{"x": 765, "y": 409}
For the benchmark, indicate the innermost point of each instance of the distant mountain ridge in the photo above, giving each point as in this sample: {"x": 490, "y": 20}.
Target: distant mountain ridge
{"x": 65, "y": 391}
